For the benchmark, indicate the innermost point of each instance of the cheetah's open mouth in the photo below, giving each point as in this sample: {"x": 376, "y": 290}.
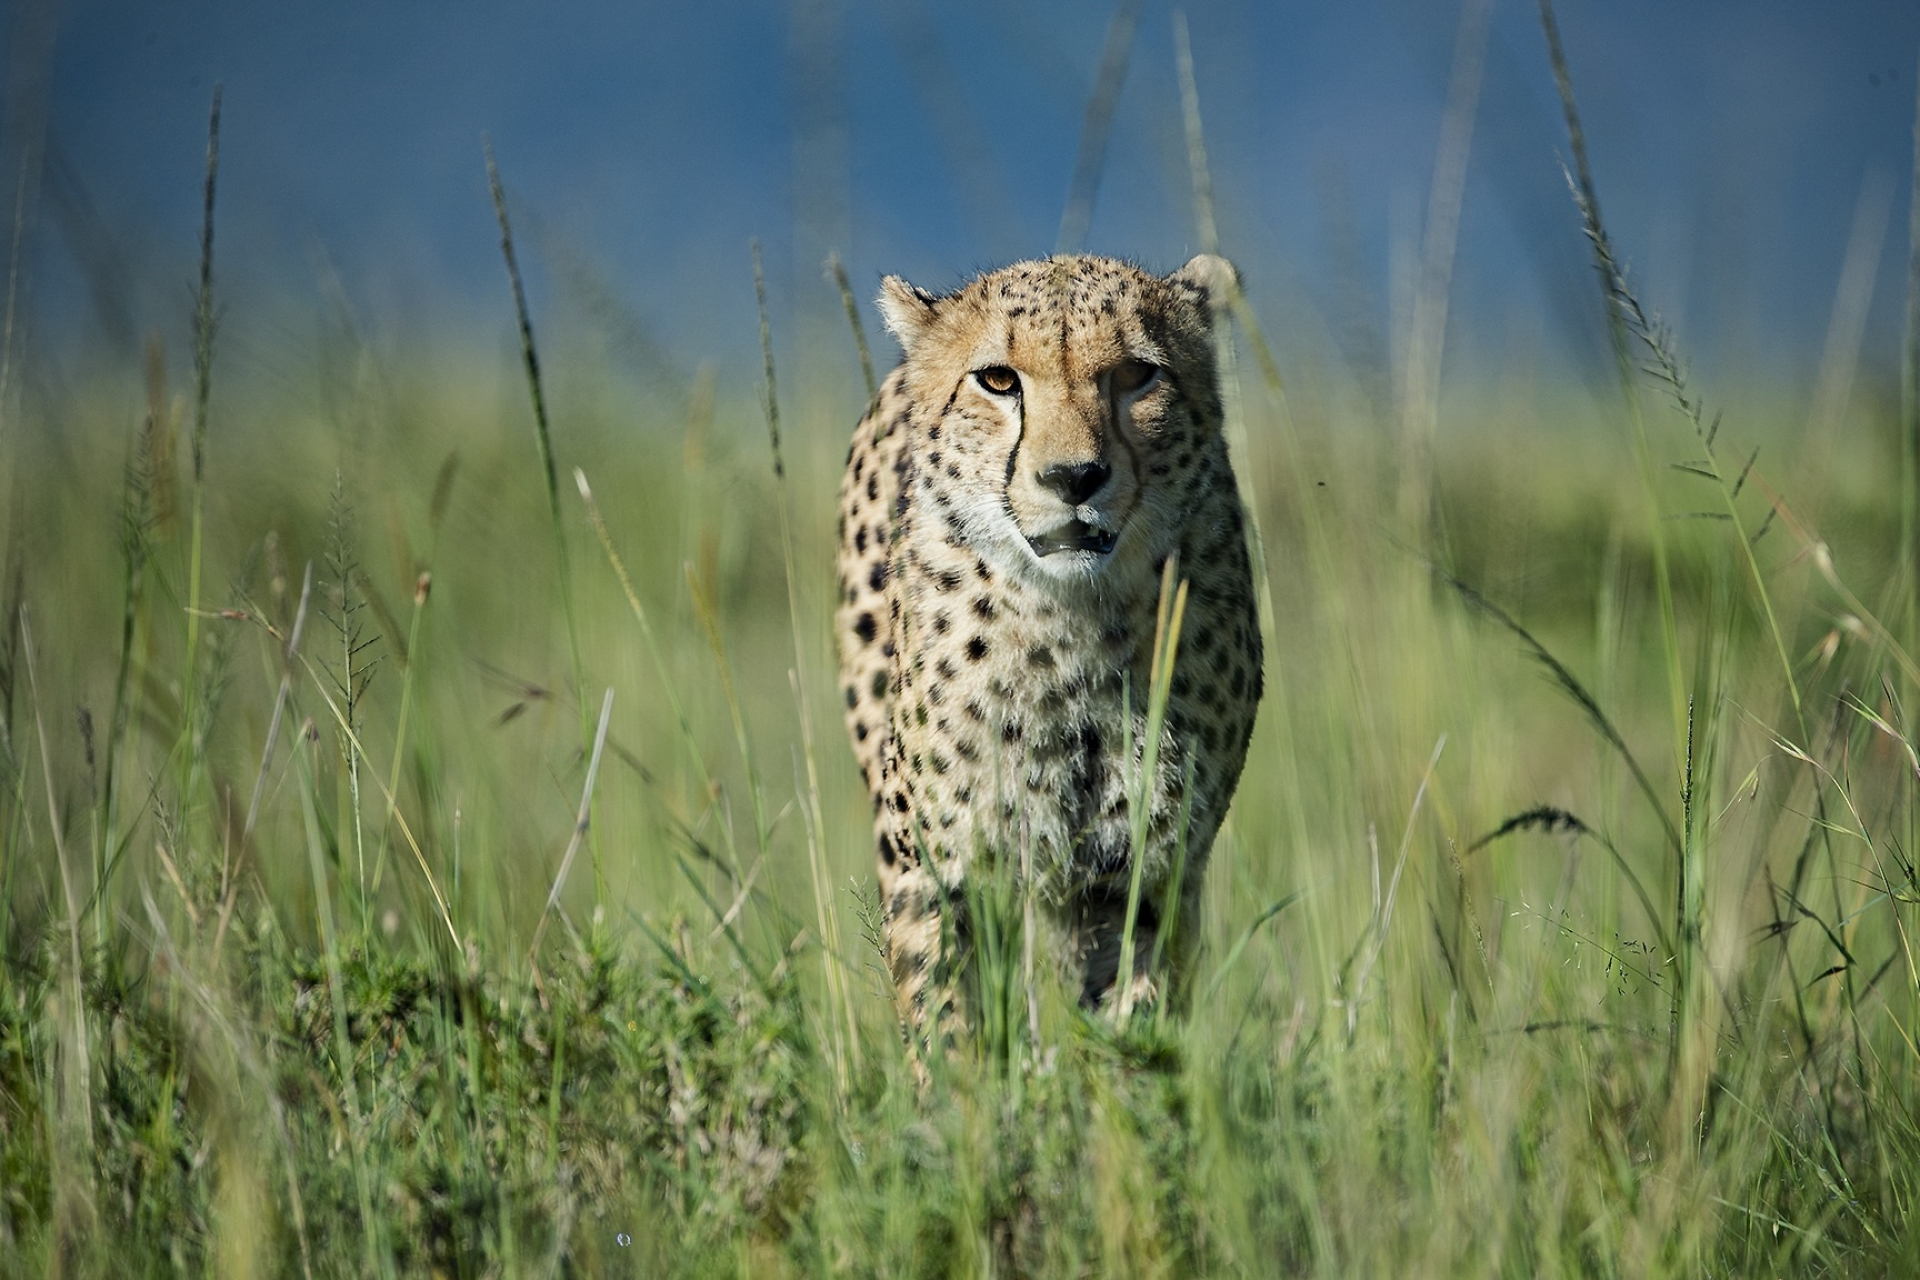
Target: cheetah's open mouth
{"x": 1075, "y": 535}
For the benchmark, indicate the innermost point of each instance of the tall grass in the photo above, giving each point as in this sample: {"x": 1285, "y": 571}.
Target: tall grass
{"x": 1562, "y": 925}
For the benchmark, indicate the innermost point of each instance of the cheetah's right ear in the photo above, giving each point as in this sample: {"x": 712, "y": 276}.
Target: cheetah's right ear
{"x": 908, "y": 311}
{"x": 1210, "y": 278}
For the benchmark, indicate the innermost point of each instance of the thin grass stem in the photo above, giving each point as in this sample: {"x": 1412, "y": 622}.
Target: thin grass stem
{"x": 580, "y": 823}
{"x": 353, "y": 742}
{"x": 8, "y": 322}
{"x": 1383, "y": 912}
{"x": 1427, "y": 326}
{"x": 1096, "y": 127}
{"x": 1166, "y": 646}
{"x": 422, "y": 591}
{"x": 1587, "y": 197}
{"x": 56, "y": 828}
{"x": 204, "y": 323}
{"x": 837, "y": 272}
{"x": 376, "y": 1262}
{"x": 1197, "y": 168}
{"x": 845, "y": 1032}
{"x": 543, "y": 435}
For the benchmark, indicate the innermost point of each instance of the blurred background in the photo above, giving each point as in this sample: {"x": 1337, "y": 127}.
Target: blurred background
{"x": 1741, "y": 147}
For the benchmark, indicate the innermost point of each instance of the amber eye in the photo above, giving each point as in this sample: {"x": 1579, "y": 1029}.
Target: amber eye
{"x": 998, "y": 379}
{"x": 1133, "y": 376}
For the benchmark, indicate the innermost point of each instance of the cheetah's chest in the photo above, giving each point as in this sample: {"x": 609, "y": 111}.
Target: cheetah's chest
{"x": 1018, "y": 723}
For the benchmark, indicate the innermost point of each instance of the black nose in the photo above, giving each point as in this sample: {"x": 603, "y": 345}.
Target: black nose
{"x": 1075, "y": 482}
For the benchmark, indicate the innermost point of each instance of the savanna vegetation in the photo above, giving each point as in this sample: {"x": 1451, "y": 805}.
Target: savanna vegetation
{"x": 427, "y": 844}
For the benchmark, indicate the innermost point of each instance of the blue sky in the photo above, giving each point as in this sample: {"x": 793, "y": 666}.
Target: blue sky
{"x": 651, "y": 141}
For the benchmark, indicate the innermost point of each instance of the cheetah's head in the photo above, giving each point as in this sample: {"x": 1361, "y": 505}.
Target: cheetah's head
{"x": 1059, "y": 404}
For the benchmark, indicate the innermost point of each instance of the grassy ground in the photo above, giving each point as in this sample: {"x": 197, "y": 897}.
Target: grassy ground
{"x": 1562, "y": 923}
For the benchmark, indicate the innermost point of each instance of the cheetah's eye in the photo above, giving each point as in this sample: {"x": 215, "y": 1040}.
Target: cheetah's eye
{"x": 1134, "y": 376}
{"x": 998, "y": 379}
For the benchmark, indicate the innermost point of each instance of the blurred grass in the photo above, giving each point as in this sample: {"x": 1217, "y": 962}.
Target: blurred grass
{"x": 1473, "y": 1071}
{"x": 254, "y": 1045}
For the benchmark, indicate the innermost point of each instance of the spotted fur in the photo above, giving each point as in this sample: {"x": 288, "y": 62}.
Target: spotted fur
{"x": 999, "y": 571}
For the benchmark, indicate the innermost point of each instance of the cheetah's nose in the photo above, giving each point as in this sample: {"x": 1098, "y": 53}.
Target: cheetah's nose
{"x": 1075, "y": 482}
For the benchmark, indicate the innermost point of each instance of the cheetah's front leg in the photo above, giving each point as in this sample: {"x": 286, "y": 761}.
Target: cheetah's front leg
{"x": 918, "y": 956}
{"x": 1098, "y": 926}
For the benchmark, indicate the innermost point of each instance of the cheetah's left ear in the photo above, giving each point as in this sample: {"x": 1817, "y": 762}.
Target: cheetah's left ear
{"x": 908, "y": 311}
{"x": 1210, "y": 276}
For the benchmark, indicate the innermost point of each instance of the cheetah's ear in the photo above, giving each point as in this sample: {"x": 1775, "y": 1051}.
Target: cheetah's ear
{"x": 908, "y": 311}
{"x": 1209, "y": 276}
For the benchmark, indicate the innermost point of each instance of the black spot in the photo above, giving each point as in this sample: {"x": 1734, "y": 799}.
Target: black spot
{"x": 1040, "y": 656}
{"x": 1011, "y": 731}
{"x": 873, "y": 487}
{"x": 913, "y": 762}
{"x": 860, "y": 539}
{"x": 980, "y": 569}
{"x": 941, "y": 623}
{"x": 933, "y": 432}
{"x": 860, "y": 732}
{"x": 947, "y": 580}
{"x": 946, "y": 669}
{"x": 976, "y": 711}
{"x": 983, "y": 605}
{"x": 940, "y": 763}
{"x": 970, "y": 752}
{"x": 853, "y": 697}
{"x": 879, "y": 685}
{"x": 878, "y": 578}
{"x": 888, "y": 853}
{"x": 899, "y": 802}
{"x": 865, "y": 627}
{"x": 933, "y": 458}
{"x": 976, "y": 648}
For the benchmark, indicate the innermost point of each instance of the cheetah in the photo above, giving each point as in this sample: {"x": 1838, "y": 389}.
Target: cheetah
{"x": 1050, "y": 438}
